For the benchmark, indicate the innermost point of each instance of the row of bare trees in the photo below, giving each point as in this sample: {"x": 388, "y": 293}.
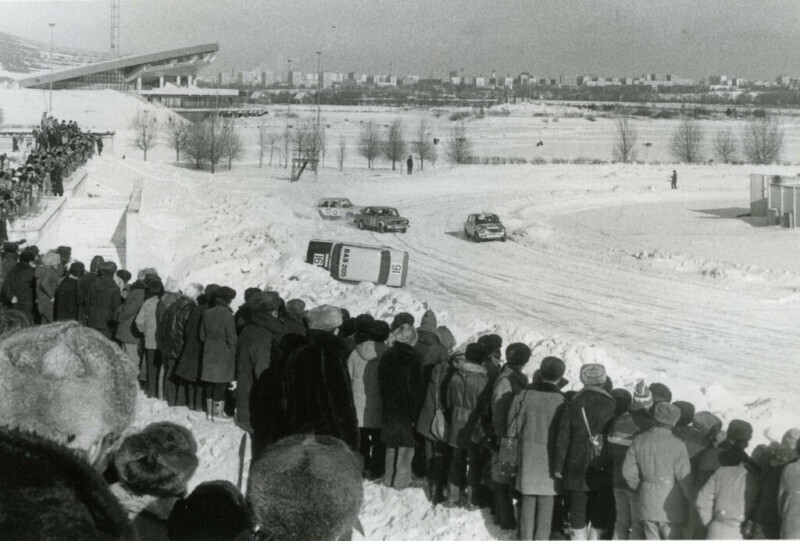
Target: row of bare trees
{"x": 761, "y": 143}
{"x": 393, "y": 145}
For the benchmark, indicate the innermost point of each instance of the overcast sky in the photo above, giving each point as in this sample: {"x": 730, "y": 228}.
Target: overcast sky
{"x": 748, "y": 38}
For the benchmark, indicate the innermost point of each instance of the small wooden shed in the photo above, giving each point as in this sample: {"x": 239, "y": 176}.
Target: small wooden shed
{"x": 775, "y": 199}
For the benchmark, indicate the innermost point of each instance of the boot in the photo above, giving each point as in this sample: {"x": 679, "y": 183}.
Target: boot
{"x": 209, "y": 409}
{"x": 219, "y": 412}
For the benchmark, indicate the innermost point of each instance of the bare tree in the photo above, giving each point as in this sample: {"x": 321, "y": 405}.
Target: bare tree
{"x": 423, "y": 146}
{"x": 197, "y": 143}
{"x": 763, "y": 141}
{"x": 286, "y": 139}
{"x": 145, "y": 128}
{"x": 262, "y": 144}
{"x": 394, "y": 145}
{"x": 341, "y": 152}
{"x": 232, "y": 147}
{"x": 687, "y": 141}
{"x": 625, "y": 141}
{"x": 177, "y": 131}
{"x": 725, "y": 146}
{"x": 369, "y": 143}
{"x": 307, "y": 146}
{"x": 272, "y": 140}
{"x": 459, "y": 147}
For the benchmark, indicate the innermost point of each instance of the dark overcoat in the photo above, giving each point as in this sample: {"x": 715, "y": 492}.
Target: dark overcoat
{"x": 218, "y": 334}
{"x": 20, "y": 282}
{"x": 102, "y": 300}
{"x": 188, "y": 367}
{"x": 402, "y": 390}
{"x": 66, "y": 301}
{"x": 126, "y": 314}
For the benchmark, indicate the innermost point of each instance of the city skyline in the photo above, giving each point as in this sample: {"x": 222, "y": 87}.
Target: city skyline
{"x": 749, "y": 38}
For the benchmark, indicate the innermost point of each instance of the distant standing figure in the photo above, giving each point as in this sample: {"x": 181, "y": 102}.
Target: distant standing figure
{"x": 674, "y": 180}
{"x": 410, "y": 164}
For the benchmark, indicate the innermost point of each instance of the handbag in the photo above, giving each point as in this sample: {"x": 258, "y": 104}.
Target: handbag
{"x": 596, "y": 440}
{"x": 439, "y": 424}
{"x": 508, "y": 455}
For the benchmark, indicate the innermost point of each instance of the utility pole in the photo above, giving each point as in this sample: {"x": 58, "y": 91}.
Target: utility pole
{"x": 319, "y": 83}
{"x": 288, "y": 115}
{"x": 51, "y": 67}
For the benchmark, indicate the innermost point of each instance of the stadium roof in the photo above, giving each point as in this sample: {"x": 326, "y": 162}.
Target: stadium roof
{"x": 182, "y": 59}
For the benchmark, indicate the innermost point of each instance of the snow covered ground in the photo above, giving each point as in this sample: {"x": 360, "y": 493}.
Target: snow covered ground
{"x": 604, "y": 263}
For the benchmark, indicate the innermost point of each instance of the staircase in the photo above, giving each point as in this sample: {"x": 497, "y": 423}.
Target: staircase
{"x": 95, "y": 226}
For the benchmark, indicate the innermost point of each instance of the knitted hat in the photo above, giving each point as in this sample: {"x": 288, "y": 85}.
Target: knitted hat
{"x": 428, "y": 322}
{"x": 473, "y": 353}
{"x": 740, "y": 431}
{"x": 687, "y": 412}
{"x": 642, "y": 397}
{"x": 666, "y": 414}
{"x": 707, "y": 423}
{"x": 593, "y": 374}
{"x": 661, "y": 393}
{"x": 552, "y": 368}
{"x": 403, "y": 318}
{"x": 518, "y": 354}
{"x": 158, "y": 461}
{"x": 490, "y": 343}
{"x": 325, "y": 317}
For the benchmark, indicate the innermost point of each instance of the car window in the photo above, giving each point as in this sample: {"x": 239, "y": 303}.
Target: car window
{"x": 391, "y": 212}
{"x": 490, "y": 219}
{"x": 323, "y": 204}
{"x": 335, "y": 204}
{"x": 346, "y": 204}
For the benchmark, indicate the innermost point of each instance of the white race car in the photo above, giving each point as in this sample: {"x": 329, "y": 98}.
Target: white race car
{"x": 337, "y": 208}
{"x": 484, "y": 226}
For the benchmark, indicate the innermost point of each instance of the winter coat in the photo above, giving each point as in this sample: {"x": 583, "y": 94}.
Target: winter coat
{"x": 436, "y": 389}
{"x": 727, "y": 501}
{"x": 66, "y": 300}
{"x": 533, "y": 418}
{"x": 188, "y": 367}
{"x": 20, "y": 283}
{"x": 696, "y": 442}
{"x": 402, "y": 392}
{"x": 573, "y": 446}
{"x": 147, "y": 322}
{"x": 172, "y": 327}
{"x": 126, "y": 314}
{"x": 46, "y": 285}
{"x": 218, "y": 334}
{"x": 362, "y": 366}
{"x": 316, "y": 396}
{"x": 102, "y": 300}
{"x": 164, "y": 303}
{"x": 428, "y": 343}
{"x": 507, "y": 385}
{"x": 657, "y": 465}
{"x": 493, "y": 368}
{"x": 294, "y": 325}
{"x": 767, "y": 514}
{"x": 620, "y": 437}
{"x": 468, "y": 392}
{"x": 254, "y": 352}
{"x": 84, "y": 282}
{"x": 708, "y": 461}
{"x": 789, "y": 501}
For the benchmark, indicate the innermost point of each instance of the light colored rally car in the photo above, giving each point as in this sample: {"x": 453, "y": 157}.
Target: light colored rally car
{"x": 484, "y": 226}
{"x": 381, "y": 219}
{"x": 337, "y": 208}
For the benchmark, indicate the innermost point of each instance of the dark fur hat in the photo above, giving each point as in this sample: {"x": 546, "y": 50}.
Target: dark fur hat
{"x": 379, "y": 331}
{"x": 158, "y": 461}
{"x": 214, "y": 511}
{"x": 361, "y": 327}
{"x": 661, "y": 393}
{"x": 518, "y": 354}
{"x": 306, "y": 487}
{"x": 226, "y": 294}
{"x": 48, "y": 493}
{"x": 473, "y": 353}
{"x": 687, "y": 412}
{"x": 490, "y": 343}
{"x": 124, "y": 275}
{"x": 107, "y": 268}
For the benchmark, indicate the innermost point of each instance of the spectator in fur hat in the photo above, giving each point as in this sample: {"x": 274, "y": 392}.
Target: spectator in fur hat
{"x": 87, "y": 399}
{"x": 218, "y": 334}
{"x": 172, "y": 329}
{"x": 241, "y": 315}
{"x": 736, "y": 441}
{"x": 306, "y": 487}
{"x": 47, "y": 492}
{"x": 102, "y": 300}
{"x": 380, "y": 332}
{"x": 490, "y": 345}
{"x": 661, "y": 393}
{"x": 187, "y": 369}
{"x": 294, "y": 317}
{"x": 687, "y": 413}
{"x": 214, "y": 511}
{"x": 83, "y": 287}
{"x": 402, "y": 392}
{"x": 122, "y": 278}
{"x": 65, "y": 307}
{"x": 19, "y": 286}
{"x": 12, "y": 321}
{"x": 154, "y": 467}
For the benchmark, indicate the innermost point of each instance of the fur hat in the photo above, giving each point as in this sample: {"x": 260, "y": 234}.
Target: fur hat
{"x": 707, "y": 423}
{"x": 552, "y": 369}
{"x": 473, "y": 353}
{"x": 107, "y": 268}
{"x": 347, "y": 328}
{"x": 379, "y": 331}
{"x": 428, "y": 322}
{"x": 215, "y": 510}
{"x": 667, "y": 414}
{"x": 296, "y": 308}
{"x": 518, "y": 354}
{"x": 403, "y": 318}
{"x": 49, "y": 493}
{"x": 687, "y": 412}
{"x": 158, "y": 461}
{"x": 67, "y": 383}
{"x": 661, "y": 393}
{"x": 361, "y": 327}
{"x": 740, "y": 431}
{"x": 225, "y": 294}
{"x": 65, "y": 252}
{"x": 12, "y": 321}
{"x": 51, "y": 259}
{"x": 249, "y": 292}
{"x": 791, "y": 438}
{"x": 490, "y": 343}
{"x": 124, "y": 275}
{"x": 152, "y": 286}
{"x": 406, "y": 334}
{"x": 27, "y": 256}
{"x": 446, "y": 337}
{"x": 77, "y": 269}
{"x": 325, "y": 317}
{"x": 267, "y": 301}
{"x": 593, "y": 374}
{"x": 623, "y": 399}
{"x": 642, "y": 397}
{"x": 306, "y": 487}
{"x": 147, "y": 271}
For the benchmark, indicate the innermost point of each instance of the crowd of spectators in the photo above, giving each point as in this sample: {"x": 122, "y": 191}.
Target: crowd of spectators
{"x": 327, "y": 399}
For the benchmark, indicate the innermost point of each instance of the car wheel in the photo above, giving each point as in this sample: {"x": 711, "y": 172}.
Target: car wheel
{"x": 503, "y": 239}
{"x": 403, "y": 230}
{"x": 360, "y": 225}
{"x": 475, "y": 237}
{"x": 381, "y": 228}
{"x": 466, "y": 233}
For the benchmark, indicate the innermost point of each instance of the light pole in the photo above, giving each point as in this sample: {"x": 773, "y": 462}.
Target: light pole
{"x": 319, "y": 82}
{"x": 289, "y": 87}
{"x": 51, "y": 66}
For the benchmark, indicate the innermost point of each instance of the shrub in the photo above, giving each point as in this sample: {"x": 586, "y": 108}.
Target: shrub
{"x": 538, "y": 160}
{"x": 460, "y": 115}
{"x": 559, "y": 161}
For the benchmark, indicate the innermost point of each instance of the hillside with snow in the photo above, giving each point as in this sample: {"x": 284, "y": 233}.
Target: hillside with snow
{"x": 604, "y": 264}
{"x": 21, "y": 57}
